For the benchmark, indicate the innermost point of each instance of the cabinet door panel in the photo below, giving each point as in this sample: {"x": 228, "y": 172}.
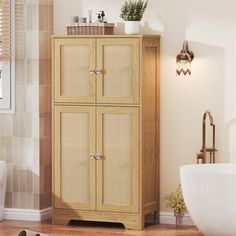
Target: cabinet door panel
{"x": 118, "y": 60}
{"x": 118, "y": 169}
{"x": 74, "y": 171}
{"x": 73, "y": 60}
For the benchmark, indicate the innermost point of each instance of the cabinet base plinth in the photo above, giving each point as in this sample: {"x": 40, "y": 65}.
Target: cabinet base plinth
{"x": 130, "y": 221}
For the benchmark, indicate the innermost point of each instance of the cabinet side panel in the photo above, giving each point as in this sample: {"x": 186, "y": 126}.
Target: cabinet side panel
{"x": 150, "y": 124}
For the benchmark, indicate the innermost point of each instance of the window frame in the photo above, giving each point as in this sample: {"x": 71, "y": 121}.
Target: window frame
{"x": 7, "y": 102}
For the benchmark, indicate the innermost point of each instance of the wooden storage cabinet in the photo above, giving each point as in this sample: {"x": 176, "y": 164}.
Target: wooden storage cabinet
{"x": 105, "y": 129}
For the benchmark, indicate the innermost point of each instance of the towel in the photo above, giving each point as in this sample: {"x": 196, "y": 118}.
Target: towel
{"x": 30, "y": 233}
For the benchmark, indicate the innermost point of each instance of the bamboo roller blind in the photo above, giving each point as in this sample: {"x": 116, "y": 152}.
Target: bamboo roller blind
{"x": 5, "y": 29}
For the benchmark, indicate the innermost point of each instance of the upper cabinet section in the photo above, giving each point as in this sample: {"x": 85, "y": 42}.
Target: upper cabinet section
{"x": 97, "y": 70}
{"x": 73, "y": 60}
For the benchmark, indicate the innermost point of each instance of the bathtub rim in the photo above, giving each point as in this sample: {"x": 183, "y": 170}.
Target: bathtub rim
{"x": 220, "y": 168}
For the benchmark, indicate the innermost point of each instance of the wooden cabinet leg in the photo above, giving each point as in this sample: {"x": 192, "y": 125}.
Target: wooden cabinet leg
{"x": 60, "y": 221}
{"x": 156, "y": 218}
{"x": 134, "y": 225}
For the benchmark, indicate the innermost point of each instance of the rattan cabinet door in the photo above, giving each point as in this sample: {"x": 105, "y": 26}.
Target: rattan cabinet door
{"x": 74, "y": 171}
{"x": 74, "y": 64}
{"x": 118, "y": 159}
{"x": 118, "y": 70}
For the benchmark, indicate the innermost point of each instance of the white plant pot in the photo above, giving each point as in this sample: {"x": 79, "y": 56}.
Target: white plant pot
{"x": 132, "y": 27}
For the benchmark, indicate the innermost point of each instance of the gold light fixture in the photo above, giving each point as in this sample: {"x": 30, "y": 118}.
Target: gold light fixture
{"x": 183, "y": 60}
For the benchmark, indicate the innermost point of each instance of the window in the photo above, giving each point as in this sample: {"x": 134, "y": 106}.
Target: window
{"x": 7, "y": 60}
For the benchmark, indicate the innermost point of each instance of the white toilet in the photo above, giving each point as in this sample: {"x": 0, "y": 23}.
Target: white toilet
{"x": 3, "y": 181}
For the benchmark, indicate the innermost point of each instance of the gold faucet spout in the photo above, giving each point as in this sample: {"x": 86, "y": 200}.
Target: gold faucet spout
{"x": 210, "y": 117}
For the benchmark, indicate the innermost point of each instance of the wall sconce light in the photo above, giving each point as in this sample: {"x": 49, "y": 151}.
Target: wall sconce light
{"x": 183, "y": 60}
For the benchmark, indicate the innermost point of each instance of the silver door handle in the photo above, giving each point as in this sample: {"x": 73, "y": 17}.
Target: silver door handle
{"x": 91, "y": 156}
{"x": 98, "y": 72}
{"x": 98, "y": 157}
{"x": 91, "y": 71}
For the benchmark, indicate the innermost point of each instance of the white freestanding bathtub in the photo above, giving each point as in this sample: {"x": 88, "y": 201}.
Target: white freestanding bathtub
{"x": 3, "y": 180}
{"x": 209, "y": 192}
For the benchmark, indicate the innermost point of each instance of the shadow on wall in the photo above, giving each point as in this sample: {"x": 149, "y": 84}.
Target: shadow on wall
{"x": 183, "y": 102}
{"x": 207, "y": 92}
{"x": 190, "y": 98}
{"x": 185, "y": 99}
{"x": 174, "y": 23}
{"x": 145, "y": 29}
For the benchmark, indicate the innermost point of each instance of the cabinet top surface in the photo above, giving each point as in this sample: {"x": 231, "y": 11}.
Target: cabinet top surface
{"x": 107, "y": 36}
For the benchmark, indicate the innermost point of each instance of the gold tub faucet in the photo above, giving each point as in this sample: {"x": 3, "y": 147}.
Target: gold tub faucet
{"x": 203, "y": 152}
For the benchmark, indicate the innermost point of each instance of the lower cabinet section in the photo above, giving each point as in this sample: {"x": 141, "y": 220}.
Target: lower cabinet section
{"x": 97, "y": 163}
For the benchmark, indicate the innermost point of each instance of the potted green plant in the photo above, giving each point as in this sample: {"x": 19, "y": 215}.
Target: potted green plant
{"x": 132, "y": 12}
{"x": 175, "y": 201}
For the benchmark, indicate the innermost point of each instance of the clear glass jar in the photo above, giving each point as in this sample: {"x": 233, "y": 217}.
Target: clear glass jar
{"x": 179, "y": 219}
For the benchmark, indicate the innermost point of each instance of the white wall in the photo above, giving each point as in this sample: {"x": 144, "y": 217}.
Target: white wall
{"x": 63, "y": 10}
{"x": 209, "y": 26}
